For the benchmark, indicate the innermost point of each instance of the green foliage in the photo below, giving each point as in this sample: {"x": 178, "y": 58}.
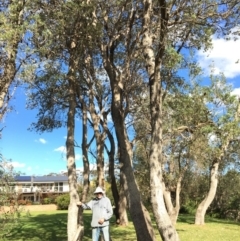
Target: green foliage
{"x": 63, "y": 201}
{"x": 227, "y": 201}
{"x": 189, "y": 207}
{"x": 50, "y": 199}
{"x": 46, "y": 200}
{"x": 9, "y": 209}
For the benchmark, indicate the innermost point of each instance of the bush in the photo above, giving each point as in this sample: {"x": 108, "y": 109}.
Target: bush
{"x": 22, "y": 202}
{"x": 188, "y": 208}
{"x": 63, "y": 202}
{"x": 47, "y": 200}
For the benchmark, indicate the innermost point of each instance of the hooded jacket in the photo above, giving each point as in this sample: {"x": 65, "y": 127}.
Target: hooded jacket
{"x": 101, "y": 208}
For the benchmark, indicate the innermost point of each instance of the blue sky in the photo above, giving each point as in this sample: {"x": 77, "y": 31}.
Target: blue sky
{"x": 39, "y": 154}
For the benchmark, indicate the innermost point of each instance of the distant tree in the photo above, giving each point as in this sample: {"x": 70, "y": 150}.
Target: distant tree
{"x": 9, "y": 209}
{"x": 227, "y": 201}
{"x": 224, "y": 132}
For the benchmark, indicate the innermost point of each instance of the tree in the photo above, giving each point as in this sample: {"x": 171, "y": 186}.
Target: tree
{"x": 12, "y": 29}
{"x": 225, "y": 131}
{"x": 178, "y": 25}
{"x": 9, "y": 209}
{"x": 137, "y": 41}
{"x": 119, "y": 54}
{"x": 58, "y": 56}
{"x": 226, "y": 202}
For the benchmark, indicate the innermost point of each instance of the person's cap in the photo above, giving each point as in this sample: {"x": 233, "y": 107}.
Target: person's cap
{"x": 99, "y": 190}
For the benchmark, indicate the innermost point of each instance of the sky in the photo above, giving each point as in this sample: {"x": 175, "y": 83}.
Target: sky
{"x": 32, "y": 153}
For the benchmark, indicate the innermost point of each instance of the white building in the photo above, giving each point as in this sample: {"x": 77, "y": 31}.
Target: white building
{"x": 35, "y": 187}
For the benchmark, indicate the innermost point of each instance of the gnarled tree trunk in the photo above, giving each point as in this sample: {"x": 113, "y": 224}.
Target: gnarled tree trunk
{"x": 203, "y": 206}
{"x": 173, "y": 211}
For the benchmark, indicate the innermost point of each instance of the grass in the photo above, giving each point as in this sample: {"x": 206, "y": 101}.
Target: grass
{"x": 51, "y": 226}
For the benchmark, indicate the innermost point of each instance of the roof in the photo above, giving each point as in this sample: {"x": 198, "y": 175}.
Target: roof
{"x": 23, "y": 178}
{"x": 41, "y": 178}
{"x": 50, "y": 179}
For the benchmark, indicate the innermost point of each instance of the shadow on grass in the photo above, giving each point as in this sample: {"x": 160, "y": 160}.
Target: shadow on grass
{"x": 48, "y": 227}
{"x": 190, "y": 219}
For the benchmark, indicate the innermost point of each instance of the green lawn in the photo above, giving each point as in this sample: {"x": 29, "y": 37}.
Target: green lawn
{"x": 51, "y": 226}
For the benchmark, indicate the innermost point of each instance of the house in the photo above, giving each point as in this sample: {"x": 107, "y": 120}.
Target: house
{"x": 35, "y": 188}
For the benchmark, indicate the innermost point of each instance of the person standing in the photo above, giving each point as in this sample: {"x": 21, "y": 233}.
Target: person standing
{"x": 101, "y": 213}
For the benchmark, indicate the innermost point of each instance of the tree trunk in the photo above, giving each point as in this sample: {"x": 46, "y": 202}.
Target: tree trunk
{"x": 86, "y": 169}
{"x": 203, "y": 206}
{"x": 153, "y": 62}
{"x": 122, "y": 204}
{"x": 138, "y": 212}
{"x": 72, "y": 225}
{"x": 164, "y": 224}
{"x": 120, "y": 210}
{"x": 173, "y": 211}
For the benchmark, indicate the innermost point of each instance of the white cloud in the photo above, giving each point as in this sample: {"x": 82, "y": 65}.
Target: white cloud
{"x": 17, "y": 164}
{"x": 61, "y": 149}
{"x": 224, "y": 57}
{"x": 236, "y": 92}
{"x": 42, "y": 141}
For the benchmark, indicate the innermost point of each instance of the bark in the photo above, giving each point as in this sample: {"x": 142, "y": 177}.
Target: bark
{"x": 72, "y": 224}
{"x": 138, "y": 212}
{"x": 173, "y": 211}
{"x": 203, "y": 206}
{"x": 86, "y": 169}
{"x": 120, "y": 210}
{"x": 96, "y": 120}
{"x": 153, "y": 62}
{"x": 122, "y": 204}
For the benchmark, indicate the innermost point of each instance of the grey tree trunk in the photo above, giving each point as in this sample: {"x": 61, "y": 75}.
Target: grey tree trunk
{"x": 120, "y": 210}
{"x": 72, "y": 224}
{"x": 153, "y": 63}
{"x": 203, "y": 206}
{"x": 122, "y": 204}
{"x": 138, "y": 212}
{"x": 86, "y": 169}
{"x": 140, "y": 216}
{"x": 173, "y": 211}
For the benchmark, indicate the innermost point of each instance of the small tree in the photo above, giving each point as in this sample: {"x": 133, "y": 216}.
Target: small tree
{"x": 9, "y": 210}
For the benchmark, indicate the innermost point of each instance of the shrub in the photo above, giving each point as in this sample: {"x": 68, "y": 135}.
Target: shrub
{"x": 63, "y": 202}
{"x": 46, "y": 200}
{"x": 28, "y": 202}
{"x": 22, "y": 202}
